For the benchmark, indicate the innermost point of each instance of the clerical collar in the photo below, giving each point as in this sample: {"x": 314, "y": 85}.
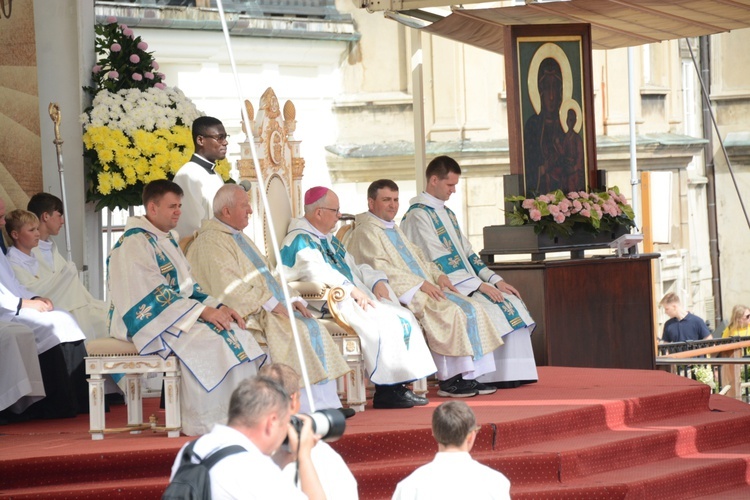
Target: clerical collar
{"x": 198, "y": 159}
{"x": 231, "y": 229}
{"x": 387, "y": 224}
{"x": 314, "y": 230}
{"x": 434, "y": 202}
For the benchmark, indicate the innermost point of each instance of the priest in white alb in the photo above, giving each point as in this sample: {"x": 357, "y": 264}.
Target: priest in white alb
{"x": 157, "y": 305}
{"x": 393, "y": 346}
{"x": 433, "y": 227}
{"x": 459, "y": 332}
{"x": 229, "y": 267}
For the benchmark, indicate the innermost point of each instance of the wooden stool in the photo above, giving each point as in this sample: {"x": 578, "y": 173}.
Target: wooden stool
{"x": 109, "y": 356}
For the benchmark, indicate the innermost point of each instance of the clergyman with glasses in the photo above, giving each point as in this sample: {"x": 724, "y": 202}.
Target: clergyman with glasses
{"x": 393, "y": 346}
{"x": 197, "y": 178}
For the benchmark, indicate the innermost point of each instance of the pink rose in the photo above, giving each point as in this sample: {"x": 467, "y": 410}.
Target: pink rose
{"x": 96, "y": 69}
{"x": 160, "y": 86}
{"x": 111, "y": 20}
{"x": 535, "y": 215}
{"x": 135, "y": 59}
{"x": 544, "y": 198}
{"x": 585, "y": 213}
{"x": 127, "y": 31}
{"x": 565, "y": 205}
{"x": 142, "y": 45}
{"x": 612, "y": 210}
{"x": 137, "y": 77}
{"x": 116, "y": 47}
{"x": 559, "y": 218}
{"x": 587, "y": 205}
{"x": 149, "y": 75}
{"x": 553, "y": 209}
{"x": 573, "y": 195}
{"x": 528, "y": 204}
{"x": 623, "y": 199}
{"x": 584, "y": 195}
{"x": 577, "y": 206}
{"x": 113, "y": 75}
{"x": 162, "y": 76}
{"x": 154, "y": 64}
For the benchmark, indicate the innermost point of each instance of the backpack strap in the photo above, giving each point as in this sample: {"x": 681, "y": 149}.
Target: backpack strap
{"x": 218, "y": 455}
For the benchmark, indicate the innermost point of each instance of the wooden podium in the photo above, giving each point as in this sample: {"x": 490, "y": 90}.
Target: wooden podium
{"x": 593, "y": 312}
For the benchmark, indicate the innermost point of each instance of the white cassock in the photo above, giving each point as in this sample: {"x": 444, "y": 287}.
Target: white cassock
{"x": 46, "y": 273}
{"x": 156, "y": 304}
{"x": 199, "y": 183}
{"x": 433, "y": 227}
{"x": 436, "y": 480}
{"x": 20, "y": 376}
{"x": 50, "y": 328}
{"x": 393, "y": 345}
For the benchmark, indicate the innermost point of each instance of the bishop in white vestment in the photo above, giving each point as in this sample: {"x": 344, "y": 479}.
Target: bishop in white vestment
{"x": 433, "y": 227}
{"x": 393, "y": 345}
{"x": 229, "y": 267}
{"x": 157, "y": 305}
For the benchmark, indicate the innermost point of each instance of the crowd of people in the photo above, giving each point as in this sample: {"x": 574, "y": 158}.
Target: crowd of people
{"x": 417, "y": 295}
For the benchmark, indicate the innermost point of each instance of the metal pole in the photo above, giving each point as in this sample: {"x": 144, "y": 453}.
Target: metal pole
{"x": 417, "y": 92}
{"x": 55, "y": 115}
{"x": 635, "y": 181}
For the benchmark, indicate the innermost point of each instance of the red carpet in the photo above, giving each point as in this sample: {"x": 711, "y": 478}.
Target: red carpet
{"x": 578, "y": 433}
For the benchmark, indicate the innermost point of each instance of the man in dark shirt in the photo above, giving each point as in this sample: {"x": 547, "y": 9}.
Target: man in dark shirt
{"x": 683, "y": 325}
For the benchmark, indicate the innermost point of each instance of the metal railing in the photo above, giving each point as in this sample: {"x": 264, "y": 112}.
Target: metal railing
{"x": 322, "y": 9}
{"x": 726, "y": 357}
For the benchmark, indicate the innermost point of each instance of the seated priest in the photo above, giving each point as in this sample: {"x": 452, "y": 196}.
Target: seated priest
{"x": 59, "y": 342}
{"x": 433, "y": 227}
{"x": 393, "y": 346}
{"x": 48, "y": 274}
{"x": 157, "y": 305}
{"x": 459, "y": 331}
{"x": 229, "y": 267}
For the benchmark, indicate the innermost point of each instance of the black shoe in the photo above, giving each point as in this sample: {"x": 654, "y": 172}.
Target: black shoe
{"x": 389, "y": 397}
{"x": 410, "y": 395}
{"x": 348, "y": 412}
{"x": 482, "y": 389}
{"x": 456, "y": 387}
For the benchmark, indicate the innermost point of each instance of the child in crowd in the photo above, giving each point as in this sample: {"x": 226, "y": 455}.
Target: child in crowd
{"x": 46, "y": 273}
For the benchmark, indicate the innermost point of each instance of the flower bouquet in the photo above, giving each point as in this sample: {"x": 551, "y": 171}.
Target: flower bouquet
{"x": 136, "y": 129}
{"x": 558, "y": 214}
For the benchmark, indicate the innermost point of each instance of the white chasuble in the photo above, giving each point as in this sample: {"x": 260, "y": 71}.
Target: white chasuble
{"x": 156, "y": 304}
{"x": 455, "y": 326}
{"x": 393, "y": 346}
{"x": 59, "y": 282}
{"x": 228, "y": 266}
{"x": 433, "y": 227}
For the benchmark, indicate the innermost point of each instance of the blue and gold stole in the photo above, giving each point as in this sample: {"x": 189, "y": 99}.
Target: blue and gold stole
{"x": 312, "y": 326}
{"x": 334, "y": 257}
{"x": 161, "y": 297}
{"x": 453, "y": 262}
{"x": 465, "y": 305}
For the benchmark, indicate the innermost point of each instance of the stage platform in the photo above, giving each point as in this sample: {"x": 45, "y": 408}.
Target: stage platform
{"x": 577, "y": 433}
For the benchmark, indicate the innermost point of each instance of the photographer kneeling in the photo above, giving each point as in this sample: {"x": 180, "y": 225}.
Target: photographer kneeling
{"x": 259, "y": 421}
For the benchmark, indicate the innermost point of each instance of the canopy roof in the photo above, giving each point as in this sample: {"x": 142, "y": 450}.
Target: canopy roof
{"x": 614, "y": 23}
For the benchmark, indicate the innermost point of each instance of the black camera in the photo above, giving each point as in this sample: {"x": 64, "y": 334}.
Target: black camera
{"x": 329, "y": 424}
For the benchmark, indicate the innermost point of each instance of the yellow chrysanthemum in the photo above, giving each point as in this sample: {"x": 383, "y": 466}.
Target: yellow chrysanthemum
{"x": 105, "y": 185}
{"x": 223, "y": 168}
{"x": 118, "y": 183}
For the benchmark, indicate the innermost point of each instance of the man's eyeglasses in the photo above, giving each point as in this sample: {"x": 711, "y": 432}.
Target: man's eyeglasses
{"x": 217, "y": 137}
{"x": 337, "y": 210}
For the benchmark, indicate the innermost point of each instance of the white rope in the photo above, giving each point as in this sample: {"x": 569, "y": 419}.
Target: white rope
{"x": 272, "y": 230}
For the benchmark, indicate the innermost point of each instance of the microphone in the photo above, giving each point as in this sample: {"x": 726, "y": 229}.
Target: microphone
{"x": 246, "y": 185}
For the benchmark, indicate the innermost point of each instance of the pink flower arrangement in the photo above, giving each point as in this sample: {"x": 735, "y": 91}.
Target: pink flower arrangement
{"x": 556, "y": 213}
{"x": 121, "y": 52}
